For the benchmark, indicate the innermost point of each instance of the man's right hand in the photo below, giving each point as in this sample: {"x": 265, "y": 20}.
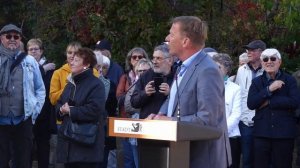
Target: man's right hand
{"x": 277, "y": 84}
{"x": 149, "y": 88}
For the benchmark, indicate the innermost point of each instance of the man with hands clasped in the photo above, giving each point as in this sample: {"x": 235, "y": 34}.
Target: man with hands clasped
{"x": 153, "y": 87}
{"x": 274, "y": 97}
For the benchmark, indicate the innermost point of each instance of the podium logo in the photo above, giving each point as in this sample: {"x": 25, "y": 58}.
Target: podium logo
{"x": 128, "y": 127}
{"x": 137, "y": 127}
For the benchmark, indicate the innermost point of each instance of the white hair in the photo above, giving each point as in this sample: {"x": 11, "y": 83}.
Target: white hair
{"x": 243, "y": 57}
{"x": 211, "y": 54}
{"x": 106, "y": 61}
{"x": 99, "y": 57}
{"x": 270, "y": 52}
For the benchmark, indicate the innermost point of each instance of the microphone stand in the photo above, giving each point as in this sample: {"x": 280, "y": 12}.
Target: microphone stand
{"x": 177, "y": 92}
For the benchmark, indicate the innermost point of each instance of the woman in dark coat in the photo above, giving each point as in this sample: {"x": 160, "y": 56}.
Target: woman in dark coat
{"x": 45, "y": 123}
{"x": 82, "y": 101}
{"x": 275, "y": 97}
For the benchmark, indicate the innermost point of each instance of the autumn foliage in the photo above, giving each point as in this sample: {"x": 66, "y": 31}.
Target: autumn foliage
{"x": 144, "y": 23}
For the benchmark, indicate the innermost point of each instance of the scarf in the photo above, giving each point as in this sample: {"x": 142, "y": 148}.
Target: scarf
{"x": 6, "y": 60}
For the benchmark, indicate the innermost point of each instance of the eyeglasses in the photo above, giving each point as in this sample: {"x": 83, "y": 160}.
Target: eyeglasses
{"x": 33, "y": 49}
{"x": 137, "y": 57}
{"x": 71, "y": 52}
{"x": 15, "y": 37}
{"x": 159, "y": 58}
{"x": 142, "y": 70}
{"x": 266, "y": 59}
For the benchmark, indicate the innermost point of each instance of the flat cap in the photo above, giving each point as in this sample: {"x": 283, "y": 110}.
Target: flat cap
{"x": 256, "y": 44}
{"x": 10, "y": 28}
{"x": 103, "y": 44}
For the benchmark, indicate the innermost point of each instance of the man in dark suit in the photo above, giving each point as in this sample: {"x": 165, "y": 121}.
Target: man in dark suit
{"x": 274, "y": 97}
{"x": 200, "y": 92}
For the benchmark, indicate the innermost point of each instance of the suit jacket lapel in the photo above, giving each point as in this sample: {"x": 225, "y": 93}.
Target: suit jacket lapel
{"x": 187, "y": 77}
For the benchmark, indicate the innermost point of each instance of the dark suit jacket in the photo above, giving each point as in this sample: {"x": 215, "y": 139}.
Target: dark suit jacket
{"x": 277, "y": 119}
{"x": 201, "y": 93}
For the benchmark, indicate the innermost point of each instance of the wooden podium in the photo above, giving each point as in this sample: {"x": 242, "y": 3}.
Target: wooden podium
{"x": 168, "y": 144}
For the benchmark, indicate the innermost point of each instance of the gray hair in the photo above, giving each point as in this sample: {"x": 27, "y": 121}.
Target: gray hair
{"x": 243, "y": 57}
{"x": 164, "y": 49}
{"x": 106, "y": 61}
{"x": 143, "y": 61}
{"x": 99, "y": 57}
{"x": 225, "y": 60}
{"x": 140, "y": 50}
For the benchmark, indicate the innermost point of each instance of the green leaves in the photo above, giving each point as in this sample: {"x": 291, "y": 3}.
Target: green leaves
{"x": 144, "y": 23}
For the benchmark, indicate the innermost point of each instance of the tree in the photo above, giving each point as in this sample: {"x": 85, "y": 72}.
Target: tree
{"x": 130, "y": 23}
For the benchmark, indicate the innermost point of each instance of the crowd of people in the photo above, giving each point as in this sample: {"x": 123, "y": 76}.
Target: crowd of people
{"x": 58, "y": 116}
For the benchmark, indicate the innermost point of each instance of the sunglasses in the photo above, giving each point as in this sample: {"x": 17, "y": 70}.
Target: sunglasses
{"x": 9, "y": 36}
{"x": 266, "y": 59}
{"x": 137, "y": 57}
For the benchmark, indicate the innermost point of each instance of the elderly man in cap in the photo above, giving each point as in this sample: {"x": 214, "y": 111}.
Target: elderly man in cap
{"x": 114, "y": 71}
{"x": 22, "y": 95}
{"x": 244, "y": 76}
{"x": 274, "y": 97}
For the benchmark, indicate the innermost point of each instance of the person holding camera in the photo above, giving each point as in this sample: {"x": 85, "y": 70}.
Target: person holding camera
{"x": 153, "y": 87}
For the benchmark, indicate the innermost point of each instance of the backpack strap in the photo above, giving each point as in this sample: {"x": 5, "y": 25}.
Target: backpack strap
{"x": 20, "y": 57}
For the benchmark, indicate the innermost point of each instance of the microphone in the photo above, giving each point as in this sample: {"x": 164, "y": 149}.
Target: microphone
{"x": 177, "y": 88}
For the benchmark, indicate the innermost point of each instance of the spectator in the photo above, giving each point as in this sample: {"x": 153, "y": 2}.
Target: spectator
{"x": 82, "y": 101}
{"x": 45, "y": 123}
{"x": 126, "y": 80}
{"x": 99, "y": 67}
{"x": 141, "y": 67}
{"x": 22, "y": 95}
{"x": 244, "y": 77}
{"x": 57, "y": 85}
{"x": 210, "y": 51}
{"x": 296, "y": 75}
{"x": 232, "y": 107}
{"x": 145, "y": 95}
{"x": 103, "y": 63}
{"x": 274, "y": 97}
{"x": 114, "y": 71}
{"x": 243, "y": 59}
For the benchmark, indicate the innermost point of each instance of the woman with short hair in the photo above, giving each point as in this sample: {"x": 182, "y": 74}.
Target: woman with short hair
{"x": 232, "y": 107}
{"x": 82, "y": 101}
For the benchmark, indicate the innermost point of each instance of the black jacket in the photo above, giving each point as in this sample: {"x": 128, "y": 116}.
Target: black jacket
{"x": 89, "y": 106}
{"x": 46, "y": 121}
{"x": 277, "y": 119}
{"x": 148, "y": 104}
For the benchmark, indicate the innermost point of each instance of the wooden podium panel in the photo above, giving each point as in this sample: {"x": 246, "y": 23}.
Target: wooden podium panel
{"x": 160, "y": 130}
